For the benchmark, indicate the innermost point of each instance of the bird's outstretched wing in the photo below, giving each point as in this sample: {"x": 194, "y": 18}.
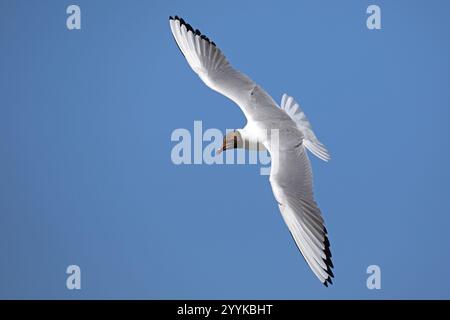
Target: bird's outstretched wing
{"x": 293, "y": 189}
{"x": 208, "y": 61}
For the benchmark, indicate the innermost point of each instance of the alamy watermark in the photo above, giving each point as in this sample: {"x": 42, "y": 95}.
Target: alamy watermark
{"x": 73, "y": 281}
{"x": 374, "y": 279}
{"x": 204, "y": 147}
{"x": 73, "y": 21}
{"x": 373, "y": 21}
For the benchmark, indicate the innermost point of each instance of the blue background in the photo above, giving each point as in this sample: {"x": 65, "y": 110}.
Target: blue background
{"x": 86, "y": 176}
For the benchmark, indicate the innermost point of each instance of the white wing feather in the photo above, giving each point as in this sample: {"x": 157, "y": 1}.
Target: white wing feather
{"x": 292, "y": 186}
{"x": 208, "y": 61}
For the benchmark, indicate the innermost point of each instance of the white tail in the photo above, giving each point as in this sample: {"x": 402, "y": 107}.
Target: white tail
{"x": 291, "y": 107}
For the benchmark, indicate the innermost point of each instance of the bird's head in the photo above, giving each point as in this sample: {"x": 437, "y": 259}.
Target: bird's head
{"x": 233, "y": 140}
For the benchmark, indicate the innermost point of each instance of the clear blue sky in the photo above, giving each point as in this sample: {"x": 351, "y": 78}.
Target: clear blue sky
{"x": 86, "y": 176}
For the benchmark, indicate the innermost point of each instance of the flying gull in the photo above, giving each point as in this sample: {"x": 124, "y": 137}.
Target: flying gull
{"x": 290, "y": 175}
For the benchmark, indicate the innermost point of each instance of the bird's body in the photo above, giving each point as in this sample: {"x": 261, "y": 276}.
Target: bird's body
{"x": 283, "y": 130}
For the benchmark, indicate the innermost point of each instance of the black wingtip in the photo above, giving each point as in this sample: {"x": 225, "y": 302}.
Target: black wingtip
{"x": 328, "y": 281}
{"x": 330, "y": 272}
{"x": 194, "y": 31}
{"x": 327, "y": 260}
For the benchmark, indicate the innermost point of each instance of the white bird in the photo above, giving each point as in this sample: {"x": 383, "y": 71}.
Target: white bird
{"x": 291, "y": 175}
